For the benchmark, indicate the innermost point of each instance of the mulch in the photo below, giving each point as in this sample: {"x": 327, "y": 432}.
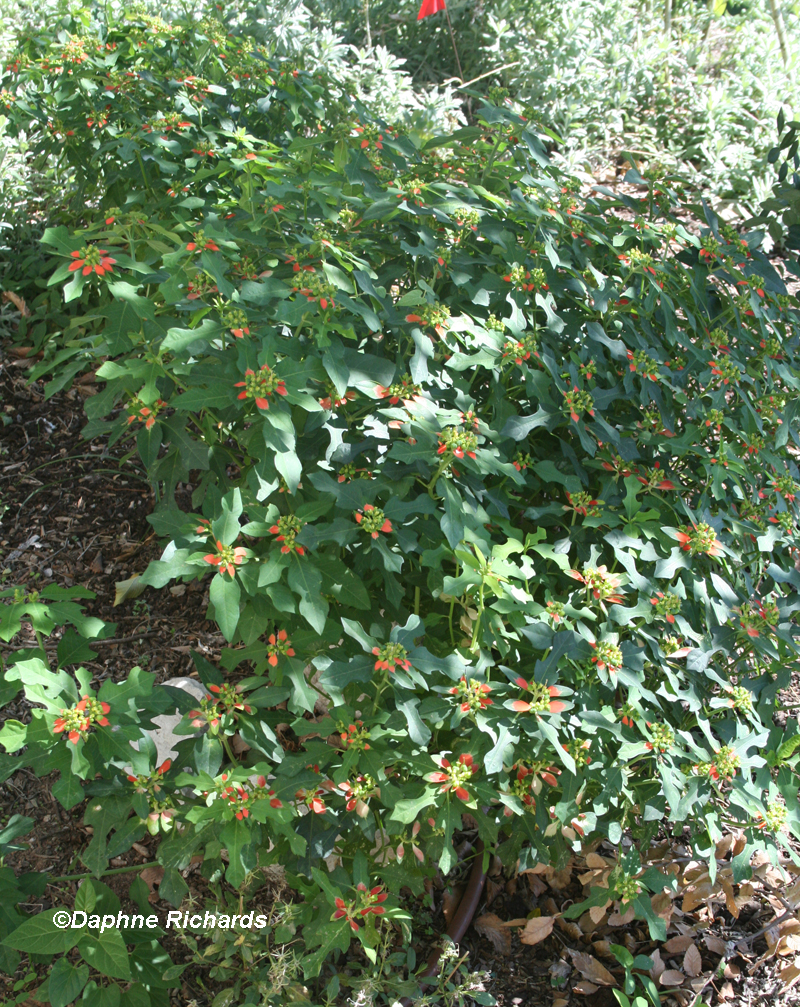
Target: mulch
{"x": 76, "y": 514}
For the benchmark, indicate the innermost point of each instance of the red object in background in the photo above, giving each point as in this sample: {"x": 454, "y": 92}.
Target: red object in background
{"x": 430, "y": 7}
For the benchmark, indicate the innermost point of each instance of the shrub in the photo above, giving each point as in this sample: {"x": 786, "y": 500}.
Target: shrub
{"x": 491, "y": 475}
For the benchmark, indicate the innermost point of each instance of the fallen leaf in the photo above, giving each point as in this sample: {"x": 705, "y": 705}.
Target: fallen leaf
{"x": 597, "y": 913}
{"x": 570, "y": 928}
{"x": 658, "y": 965}
{"x": 558, "y": 880}
{"x": 726, "y": 992}
{"x": 595, "y": 860}
{"x": 715, "y": 944}
{"x": 677, "y": 945}
{"x": 491, "y": 927}
{"x": 537, "y": 929}
{"x": 584, "y": 988}
{"x": 124, "y": 590}
{"x": 152, "y": 876}
{"x": 697, "y": 894}
{"x": 17, "y": 301}
{"x": 732, "y": 971}
{"x": 590, "y": 968}
{"x": 621, "y": 919}
{"x": 789, "y": 975}
{"x": 692, "y": 962}
{"x": 671, "y": 977}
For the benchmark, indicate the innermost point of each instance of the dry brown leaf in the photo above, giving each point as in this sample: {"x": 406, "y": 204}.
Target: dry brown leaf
{"x": 560, "y": 1002}
{"x": 570, "y": 928}
{"x": 584, "y": 988}
{"x": 789, "y": 944}
{"x": 726, "y": 992}
{"x": 491, "y": 927}
{"x": 594, "y": 860}
{"x": 558, "y": 880}
{"x": 536, "y": 885}
{"x": 658, "y": 965}
{"x": 714, "y": 944}
{"x": 603, "y": 948}
{"x": 730, "y": 899}
{"x": 537, "y": 929}
{"x": 671, "y": 977}
{"x": 677, "y": 945}
{"x": 152, "y": 876}
{"x": 590, "y": 968}
{"x": 621, "y": 919}
{"x": 724, "y": 845}
{"x": 789, "y": 975}
{"x": 493, "y": 889}
{"x": 17, "y": 301}
{"x": 697, "y": 894}
{"x": 662, "y": 906}
{"x": 692, "y": 962}
{"x": 732, "y": 971}
{"x": 597, "y": 913}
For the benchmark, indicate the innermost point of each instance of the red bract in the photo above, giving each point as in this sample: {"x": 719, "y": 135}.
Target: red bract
{"x": 542, "y": 701}
{"x": 92, "y": 260}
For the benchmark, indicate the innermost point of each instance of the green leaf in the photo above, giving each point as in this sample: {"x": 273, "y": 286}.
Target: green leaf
{"x": 224, "y": 595}
{"x": 407, "y": 810}
{"x": 66, "y": 982}
{"x": 107, "y": 953}
{"x": 39, "y": 935}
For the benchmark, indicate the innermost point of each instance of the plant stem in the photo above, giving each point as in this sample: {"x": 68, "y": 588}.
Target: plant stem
{"x": 105, "y": 874}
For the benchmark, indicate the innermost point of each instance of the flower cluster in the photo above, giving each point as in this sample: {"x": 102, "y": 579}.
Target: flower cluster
{"x": 200, "y": 243}
{"x": 472, "y": 695}
{"x": 661, "y": 739}
{"x": 722, "y": 767}
{"x": 643, "y": 364}
{"x": 404, "y": 390}
{"x": 699, "y": 538}
{"x": 91, "y": 259}
{"x": 520, "y": 350}
{"x": 77, "y": 721}
{"x": 607, "y": 656}
{"x": 356, "y": 736}
{"x": 369, "y": 903}
{"x": 457, "y": 443}
{"x": 260, "y": 386}
{"x": 576, "y": 402}
{"x": 391, "y": 656}
{"x": 373, "y": 520}
{"x": 358, "y": 793}
{"x": 582, "y": 503}
{"x": 760, "y": 617}
{"x": 235, "y": 320}
{"x": 542, "y": 698}
{"x": 315, "y": 288}
{"x": 431, "y": 314}
{"x": 226, "y": 558}
{"x": 774, "y": 819}
{"x": 278, "y": 644}
{"x": 220, "y": 701}
{"x": 286, "y": 530}
{"x": 453, "y": 776}
{"x": 666, "y": 605}
{"x": 601, "y": 584}
{"x": 526, "y": 280}
{"x": 725, "y": 369}
{"x": 137, "y": 410}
